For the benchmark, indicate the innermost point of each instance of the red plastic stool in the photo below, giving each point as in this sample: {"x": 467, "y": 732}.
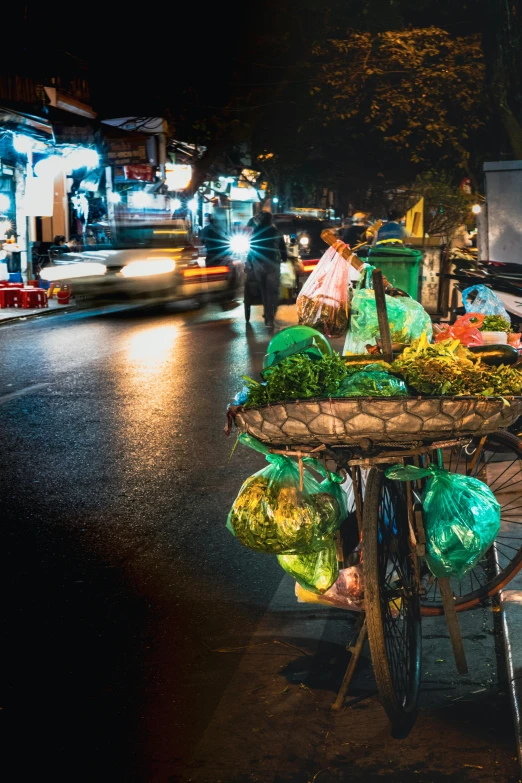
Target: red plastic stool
{"x": 15, "y": 285}
{"x": 9, "y": 297}
{"x": 33, "y": 297}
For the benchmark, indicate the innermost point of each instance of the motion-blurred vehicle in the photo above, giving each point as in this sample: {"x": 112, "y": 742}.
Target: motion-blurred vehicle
{"x": 307, "y": 231}
{"x": 141, "y": 260}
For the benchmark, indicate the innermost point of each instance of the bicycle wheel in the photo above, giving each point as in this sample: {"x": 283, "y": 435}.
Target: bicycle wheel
{"x": 391, "y": 600}
{"x": 500, "y": 467}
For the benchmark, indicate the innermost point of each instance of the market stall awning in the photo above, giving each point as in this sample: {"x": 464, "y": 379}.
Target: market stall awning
{"x": 26, "y": 123}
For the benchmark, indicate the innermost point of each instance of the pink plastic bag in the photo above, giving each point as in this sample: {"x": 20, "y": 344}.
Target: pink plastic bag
{"x": 323, "y": 301}
{"x": 347, "y": 592}
{"x": 465, "y": 329}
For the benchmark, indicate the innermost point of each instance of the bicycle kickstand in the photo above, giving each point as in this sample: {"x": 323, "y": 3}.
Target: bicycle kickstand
{"x": 452, "y": 622}
{"x": 356, "y": 651}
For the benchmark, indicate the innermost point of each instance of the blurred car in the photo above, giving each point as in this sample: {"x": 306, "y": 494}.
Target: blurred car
{"x": 306, "y": 231}
{"x": 140, "y": 260}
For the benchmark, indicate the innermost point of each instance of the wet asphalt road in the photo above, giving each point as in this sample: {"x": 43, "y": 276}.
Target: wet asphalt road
{"x": 120, "y": 582}
{"x": 119, "y": 574}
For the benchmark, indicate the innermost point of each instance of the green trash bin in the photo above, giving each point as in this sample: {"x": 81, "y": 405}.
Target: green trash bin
{"x": 400, "y": 265}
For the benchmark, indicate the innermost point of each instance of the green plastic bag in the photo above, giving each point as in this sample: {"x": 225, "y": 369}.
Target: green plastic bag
{"x": 372, "y": 381}
{"x": 461, "y": 518}
{"x": 272, "y": 514}
{"x": 407, "y": 318}
{"x": 315, "y": 571}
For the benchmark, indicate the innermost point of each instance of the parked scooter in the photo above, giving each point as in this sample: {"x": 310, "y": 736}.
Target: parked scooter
{"x": 504, "y": 279}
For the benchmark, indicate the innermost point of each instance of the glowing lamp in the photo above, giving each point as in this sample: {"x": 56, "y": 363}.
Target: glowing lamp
{"x": 83, "y": 158}
{"x": 239, "y": 243}
{"x": 22, "y": 144}
{"x": 476, "y": 209}
{"x": 48, "y": 167}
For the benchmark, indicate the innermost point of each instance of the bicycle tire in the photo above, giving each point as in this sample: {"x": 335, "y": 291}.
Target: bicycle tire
{"x": 395, "y": 644}
{"x": 503, "y": 575}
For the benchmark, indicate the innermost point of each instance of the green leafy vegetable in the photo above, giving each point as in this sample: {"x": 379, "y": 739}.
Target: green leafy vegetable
{"x": 495, "y": 323}
{"x": 298, "y": 378}
{"x": 449, "y": 368}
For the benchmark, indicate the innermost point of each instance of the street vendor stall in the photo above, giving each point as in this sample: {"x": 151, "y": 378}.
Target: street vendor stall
{"x": 381, "y": 493}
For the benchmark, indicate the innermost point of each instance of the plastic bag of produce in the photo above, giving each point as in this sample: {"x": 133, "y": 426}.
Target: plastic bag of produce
{"x": 347, "y": 592}
{"x": 480, "y": 299}
{"x": 407, "y": 318}
{"x": 314, "y": 571}
{"x": 461, "y": 518}
{"x": 466, "y": 329}
{"x": 323, "y": 301}
{"x": 372, "y": 381}
{"x": 273, "y": 514}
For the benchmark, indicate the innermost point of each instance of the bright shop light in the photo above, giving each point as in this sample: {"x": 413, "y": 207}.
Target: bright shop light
{"x": 176, "y": 203}
{"x": 153, "y": 266}
{"x": 82, "y": 158}
{"x": 5, "y": 202}
{"x": 177, "y": 176}
{"x": 48, "y": 167}
{"x": 22, "y": 144}
{"x": 304, "y": 241}
{"x": 114, "y": 197}
{"x": 476, "y": 209}
{"x": 275, "y": 200}
{"x": 193, "y": 204}
{"x": 239, "y": 243}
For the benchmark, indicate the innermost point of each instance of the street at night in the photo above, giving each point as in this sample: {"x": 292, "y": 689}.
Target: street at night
{"x": 141, "y": 641}
{"x": 261, "y": 392}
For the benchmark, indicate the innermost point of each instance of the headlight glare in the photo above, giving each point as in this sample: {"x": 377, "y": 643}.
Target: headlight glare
{"x": 149, "y": 267}
{"x": 71, "y": 271}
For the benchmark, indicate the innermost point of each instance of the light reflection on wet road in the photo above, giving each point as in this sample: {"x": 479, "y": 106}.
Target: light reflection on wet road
{"x": 115, "y": 485}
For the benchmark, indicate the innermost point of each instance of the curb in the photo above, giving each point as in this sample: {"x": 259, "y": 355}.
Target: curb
{"x": 511, "y": 609}
{"x": 44, "y": 311}
{"x": 113, "y": 307}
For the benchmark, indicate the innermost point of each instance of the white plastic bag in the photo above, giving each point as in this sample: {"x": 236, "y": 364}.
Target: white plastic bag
{"x": 324, "y": 301}
{"x": 287, "y": 279}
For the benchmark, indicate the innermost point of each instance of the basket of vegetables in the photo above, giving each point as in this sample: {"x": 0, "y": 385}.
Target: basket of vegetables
{"x": 430, "y": 391}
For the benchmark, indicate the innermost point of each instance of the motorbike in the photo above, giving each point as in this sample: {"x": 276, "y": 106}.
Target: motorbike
{"x": 504, "y": 279}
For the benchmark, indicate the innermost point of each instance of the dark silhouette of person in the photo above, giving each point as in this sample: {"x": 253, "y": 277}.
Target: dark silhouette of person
{"x": 267, "y": 250}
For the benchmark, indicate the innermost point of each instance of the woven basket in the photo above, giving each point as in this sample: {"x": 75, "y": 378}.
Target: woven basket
{"x": 381, "y": 420}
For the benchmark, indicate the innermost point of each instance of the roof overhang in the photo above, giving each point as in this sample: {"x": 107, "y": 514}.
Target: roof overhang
{"x": 61, "y": 100}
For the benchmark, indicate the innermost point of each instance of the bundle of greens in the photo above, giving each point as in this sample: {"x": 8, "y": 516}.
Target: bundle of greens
{"x": 448, "y": 368}
{"x": 271, "y": 514}
{"x": 298, "y": 377}
{"x": 372, "y": 381}
{"x": 495, "y": 323}
{"x": 315, "y": 571}
{"x": 325, "y": 315}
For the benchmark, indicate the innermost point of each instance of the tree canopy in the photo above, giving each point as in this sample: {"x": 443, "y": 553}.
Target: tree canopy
{"x": 420, "y": 89}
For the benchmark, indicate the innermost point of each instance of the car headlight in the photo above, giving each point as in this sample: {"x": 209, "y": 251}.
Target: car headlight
{"x": 70, "y": 271}
{"x": 239, "y": 243}
{"x": 149, "y": 268}
{"x": 304, "y": 241}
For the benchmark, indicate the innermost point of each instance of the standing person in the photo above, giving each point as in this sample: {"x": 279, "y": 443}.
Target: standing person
{"x": 355, "y": 234}
{"x": 393, "y": 229}
{"x": 267, "y": 250}
{"x": 58, "y": 246}
{"x": 215, "y": 241}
